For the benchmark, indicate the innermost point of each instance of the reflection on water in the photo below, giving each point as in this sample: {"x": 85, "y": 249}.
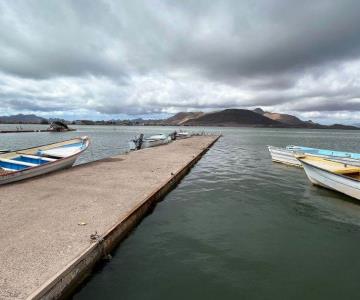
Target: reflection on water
{"x": 238, "y": 226}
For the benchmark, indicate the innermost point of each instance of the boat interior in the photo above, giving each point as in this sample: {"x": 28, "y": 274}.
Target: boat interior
{"x": 334, "y": 166}
{"x": 33, "y": 157}
{"x": 353, "y": 175}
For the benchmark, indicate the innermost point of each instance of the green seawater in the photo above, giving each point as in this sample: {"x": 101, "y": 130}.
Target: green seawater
{"x": 237, "y": 226}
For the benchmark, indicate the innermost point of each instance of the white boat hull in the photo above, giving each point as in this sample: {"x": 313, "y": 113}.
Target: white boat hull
{"x": 183, "y": 135}
{"x": 333, "y": 181}
{"x": 150, "y": 142}
{"x": 284, "y": 156}
{"x": 41, "y": 170}
{"x": 32, "y": 162}
{"x": 153, "y": 143}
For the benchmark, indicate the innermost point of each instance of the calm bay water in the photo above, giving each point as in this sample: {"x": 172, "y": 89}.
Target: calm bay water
{"x": 238, "y": 225}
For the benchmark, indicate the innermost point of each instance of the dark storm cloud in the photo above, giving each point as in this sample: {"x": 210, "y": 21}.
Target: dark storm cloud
{"x": 42, "y": 39}
{"x": 272, "y": 37}
{"x": 32, "y": 105}
{"x": 336, "y": 104}
{"x": 153, "y": 56}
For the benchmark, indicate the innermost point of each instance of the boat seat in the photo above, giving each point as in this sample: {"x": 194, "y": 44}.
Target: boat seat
{"x": 38, "y": 157}
{"x": 59, "y": 152}
{"x": 18, "y": 162}
{"x": 347, "y": 170}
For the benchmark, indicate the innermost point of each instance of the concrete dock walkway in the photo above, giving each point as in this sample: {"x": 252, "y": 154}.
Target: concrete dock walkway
{"x": 48, "y": 224}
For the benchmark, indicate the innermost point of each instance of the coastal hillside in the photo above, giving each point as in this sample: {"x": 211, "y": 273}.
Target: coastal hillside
{"x": 182, "y": 117}
{"x": 254, "y": 118}
{"x": 227, "y": 117}
{"x": 283, "y": 118}
{"x": 295, "y": 122}
{"x": 234, "y": 117}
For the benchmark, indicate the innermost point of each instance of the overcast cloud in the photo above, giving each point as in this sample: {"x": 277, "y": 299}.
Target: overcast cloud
{"x": 100, "y": 59}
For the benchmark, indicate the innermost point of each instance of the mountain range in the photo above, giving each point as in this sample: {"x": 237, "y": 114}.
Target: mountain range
{"x": 247, "y": 118}
{"x": 224, "y": 118}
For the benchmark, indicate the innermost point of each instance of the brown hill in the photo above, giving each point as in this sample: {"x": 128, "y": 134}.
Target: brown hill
{"x": 341, "y": 126}
{"x": 292, "y": 121}
{"x": 245, "y": 118}
{"x": 182, "y": 117}
{"x": 233, "y": 117}
{"x": 283, "y": 118}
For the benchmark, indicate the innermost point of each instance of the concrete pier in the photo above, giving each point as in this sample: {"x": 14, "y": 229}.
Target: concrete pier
{"x": 53, "y": 229}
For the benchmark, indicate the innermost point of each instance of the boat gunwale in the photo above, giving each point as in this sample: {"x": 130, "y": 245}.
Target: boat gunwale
{"x": 327, "y": 171}
{"x": 154, "y": 140}
{"x": 50, "y": 162}
{"x": 303, "y": 149}
{"x": 26, "y": 149}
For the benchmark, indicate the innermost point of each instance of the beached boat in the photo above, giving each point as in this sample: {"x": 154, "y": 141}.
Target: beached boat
{"x": 289, "y": 155}
{"x": 333, "y": 175}
{"x": 22, "y": 164}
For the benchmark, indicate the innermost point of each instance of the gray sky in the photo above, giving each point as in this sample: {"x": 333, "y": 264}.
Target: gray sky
{"x": 105, "y": 59}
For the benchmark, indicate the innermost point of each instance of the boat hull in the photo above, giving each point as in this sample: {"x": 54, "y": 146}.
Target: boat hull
{"x": 332, "y": 181}
{"x": 41, "y": 170}
{"x": 33, "y": 162}
{"x": 284, "y": 156}
{"x": 155, "y": 142}
{"x": 182, "y": 135}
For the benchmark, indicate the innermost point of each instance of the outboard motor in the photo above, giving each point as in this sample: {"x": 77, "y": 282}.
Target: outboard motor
{"x": 173, "y": 135}
{"x": 139, "y": 141}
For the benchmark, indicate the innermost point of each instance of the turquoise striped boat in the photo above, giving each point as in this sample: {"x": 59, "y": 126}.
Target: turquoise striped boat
{"x": 290, "y": 154}
{"x": 324, "y": 152}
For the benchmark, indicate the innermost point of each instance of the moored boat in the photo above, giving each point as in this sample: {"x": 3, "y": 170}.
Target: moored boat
{"x": 182, "y": 135}
{"x": 289, "y": 155}
{"x": 283, "y": 155}
{"x": 27, "y": 163}
{"x": 152, "y": 141}
{"x": 156, "y": 140}
{"x": 333, "y": 175}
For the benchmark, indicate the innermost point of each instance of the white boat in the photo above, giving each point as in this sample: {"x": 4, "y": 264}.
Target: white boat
{"x": 333, "y": 175}
{"x": 156, "y": 140}
{"x": 289, "y": 155}
{"x": 283, "y": 155}
{"x": 27, "y": 163}
{"x": 152, "y": 141}
{"x": 182, "y": 135}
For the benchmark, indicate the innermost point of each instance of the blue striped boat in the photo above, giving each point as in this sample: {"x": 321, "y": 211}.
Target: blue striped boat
{"x": 27, "y": 163}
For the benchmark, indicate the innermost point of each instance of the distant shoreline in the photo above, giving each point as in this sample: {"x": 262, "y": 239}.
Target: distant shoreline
{"x": 231, "y": 117}
{"x": 330, "y": 127}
